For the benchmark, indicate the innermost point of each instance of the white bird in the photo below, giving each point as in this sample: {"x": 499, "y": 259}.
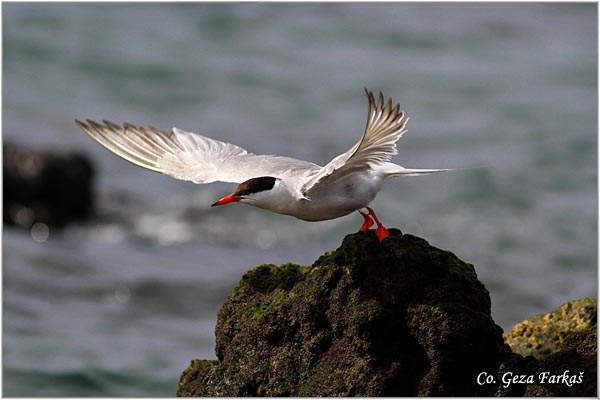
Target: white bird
{"x": 282, "y": 185}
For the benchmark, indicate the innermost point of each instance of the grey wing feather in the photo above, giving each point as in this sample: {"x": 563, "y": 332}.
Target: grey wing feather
{"x": 190, "y": 156}
{"x": 385, "y": 125}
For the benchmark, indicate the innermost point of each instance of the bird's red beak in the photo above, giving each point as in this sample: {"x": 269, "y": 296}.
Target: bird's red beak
{"x": 232, "y": 198}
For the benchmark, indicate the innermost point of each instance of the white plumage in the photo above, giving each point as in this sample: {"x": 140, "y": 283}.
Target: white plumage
{"x": 286, "y": 185}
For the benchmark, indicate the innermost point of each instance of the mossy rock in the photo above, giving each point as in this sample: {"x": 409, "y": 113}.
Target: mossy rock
{"x": 544, "y": 334}
{"x": 396, "y": 318}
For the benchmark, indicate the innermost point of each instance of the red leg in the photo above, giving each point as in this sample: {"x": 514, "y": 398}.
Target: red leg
{"x": 368, "y": 222}
{"x": 381, "y": 231}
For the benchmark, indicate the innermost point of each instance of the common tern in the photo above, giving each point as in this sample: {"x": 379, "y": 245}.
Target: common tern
{"x": 282, "y": 185}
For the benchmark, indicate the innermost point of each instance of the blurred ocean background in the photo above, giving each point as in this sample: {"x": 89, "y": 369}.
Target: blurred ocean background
{"x": 118, "y": 306}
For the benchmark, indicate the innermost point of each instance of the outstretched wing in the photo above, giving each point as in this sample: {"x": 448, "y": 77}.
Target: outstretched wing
{"x": 385, "y": 125}
{"x": 190, "y": 156}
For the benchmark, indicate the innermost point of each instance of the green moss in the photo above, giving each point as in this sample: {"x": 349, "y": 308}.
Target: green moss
{"x": 268, "y": 303}
{"x": 544, "y": 334}
{"x": 268, "y": 277}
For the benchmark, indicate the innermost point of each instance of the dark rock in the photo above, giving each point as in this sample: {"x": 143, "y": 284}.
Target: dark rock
{"x": 544, "y": 334}
{"x": 566, "y": 372}
{"x": 397, "y": 318}
{"x": 189, "y": 382}
{"x": 40, "y": 186}
{"x": 583, "y": 342}
{"x": 511, "y": 364}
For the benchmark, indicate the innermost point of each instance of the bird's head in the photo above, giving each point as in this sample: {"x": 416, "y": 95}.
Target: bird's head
{"x": 251, "y": 191}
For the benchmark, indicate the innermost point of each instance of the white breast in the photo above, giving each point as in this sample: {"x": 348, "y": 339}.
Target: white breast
{"x": 338, "y": 198}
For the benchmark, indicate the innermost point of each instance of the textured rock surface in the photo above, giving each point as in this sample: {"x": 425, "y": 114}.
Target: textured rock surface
{"x": 40, "y": 186}
{"x": 560, "y": 349}
{"x": 544, "y": 334}
{"x": 576, "y": 362}
{"x": 400, "y": 318}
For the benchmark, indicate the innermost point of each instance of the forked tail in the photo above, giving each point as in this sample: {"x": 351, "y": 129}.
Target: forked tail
{"x": 390, "y": 170}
